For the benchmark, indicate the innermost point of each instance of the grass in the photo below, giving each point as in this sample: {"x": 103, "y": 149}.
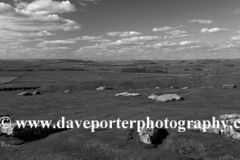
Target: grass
{"x": 85, "y": 103}
{"x": 6, "y": 79}
{"x": 113, "y": 143}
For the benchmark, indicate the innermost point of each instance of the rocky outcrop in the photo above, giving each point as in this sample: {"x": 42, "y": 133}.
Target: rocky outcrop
{"x": 228, "y": 131}
{"x": 154, "y": 136}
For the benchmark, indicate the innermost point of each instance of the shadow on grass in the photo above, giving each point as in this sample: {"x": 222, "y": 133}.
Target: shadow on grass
{"x": 35, "y": 137}
{"x": 158, "y": 136}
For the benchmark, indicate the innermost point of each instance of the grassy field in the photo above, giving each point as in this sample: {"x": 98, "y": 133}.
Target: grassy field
{"x": 113, "y": 143}
{"x": 85, "y": 103}
{"x": 7, "y": 79}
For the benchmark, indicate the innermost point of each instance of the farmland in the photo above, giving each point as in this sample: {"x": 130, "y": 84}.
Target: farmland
{"x": 203, "y": 99}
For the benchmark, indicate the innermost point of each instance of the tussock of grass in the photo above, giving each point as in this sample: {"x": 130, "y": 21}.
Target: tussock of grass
{"x": 189, "y": 148}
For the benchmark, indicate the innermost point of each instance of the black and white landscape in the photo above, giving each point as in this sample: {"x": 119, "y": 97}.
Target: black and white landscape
{"x": 127, "y": 59}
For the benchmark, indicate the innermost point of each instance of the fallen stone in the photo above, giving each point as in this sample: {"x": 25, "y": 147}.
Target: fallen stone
{"x": 145, "y": 134}
{"x": 153, "y": 96}
{"x": 128, "y": 94}
{"x": 153, "y": 136}
{"x": 229, "y": 116}
{"x": 174, "y": 87}
{"x": 166, "y": 97}
{"x": 228, "y": 131}
{"x": 229, "y": 86}
{"x": 36, "y": 93}
{"x": 25, "y": 94}
{"x": 104, "y": 88}
{"x": 67, "y": 91}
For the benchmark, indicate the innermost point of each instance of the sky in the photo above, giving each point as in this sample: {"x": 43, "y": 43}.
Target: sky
{"x": 120, "y": 29}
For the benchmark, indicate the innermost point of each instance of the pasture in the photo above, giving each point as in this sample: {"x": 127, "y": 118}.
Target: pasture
{"x": 204, "y": 99}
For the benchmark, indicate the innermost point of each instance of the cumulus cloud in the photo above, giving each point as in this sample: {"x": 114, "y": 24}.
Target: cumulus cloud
{"x": 166, "y": 28}
{"x": 213, "y": 30}
{"x": 120, "y": 46}
{"x": 172, "y": 32}
{"x": 164, "y": 45}
{"x": 140, "y": 39}
{"x": 57, "y": 42}
{"x": 148, "y": 51}
{"x": 187, "y": 43}
{"x": 176, "y": 34}
{"x": 90, "y": 39}
{"x": 236, "y": 38}
{"x": 236, "y": 11}
{"x": 49, "y": 7}
{"x": 84, "y": 2}
{"x": 34, "y": 22}
{"x": 161, "y": 29}
{"x": 143, "y": 39}
{"x": 24, "y": 22}
{"x": 133, "y": 41}
{"x": 183, "y": 45}
{"x": 55, "y": 46}
{"x": 123, "y": 34}
{"x": 22, "y": 19}
{"x": 201, "y": 21}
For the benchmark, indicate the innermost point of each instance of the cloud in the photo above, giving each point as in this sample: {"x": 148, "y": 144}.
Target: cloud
{"x": 5, "y": 7}
{"x": 236, "y": 38}
{"x": 132, "y": 41}
{"x": 52, "y": 47}
{"x": 172, "y": 32}
{"x": 236, "y": 11}
{"x": 84, "y": 2}
{"x": 213, "y": 30}
{"x": 140, "y": 39}
{"x": 24, "y": 22}
{"x": 16, "y": 19}
{"x": 123, "y": 34}
{"x": 45, "y": 33}
{"x": 49, "y": 7}
{"x": 176, "y": 34}
{"x": 160, "y": 29}
{"x": 187, "y": 43}
{"x": 162, "y": 50}
{"x": 183, "y": 45}
{"x": 166, "y": 28}
{"x": 90, "y": 39}
{"x": 119, "y": 46}
{"x": 201, "y": 21}
{"x": 57, "y": 42}
{"x": 164, "y": 45}
{"x": 32, "y": 23}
